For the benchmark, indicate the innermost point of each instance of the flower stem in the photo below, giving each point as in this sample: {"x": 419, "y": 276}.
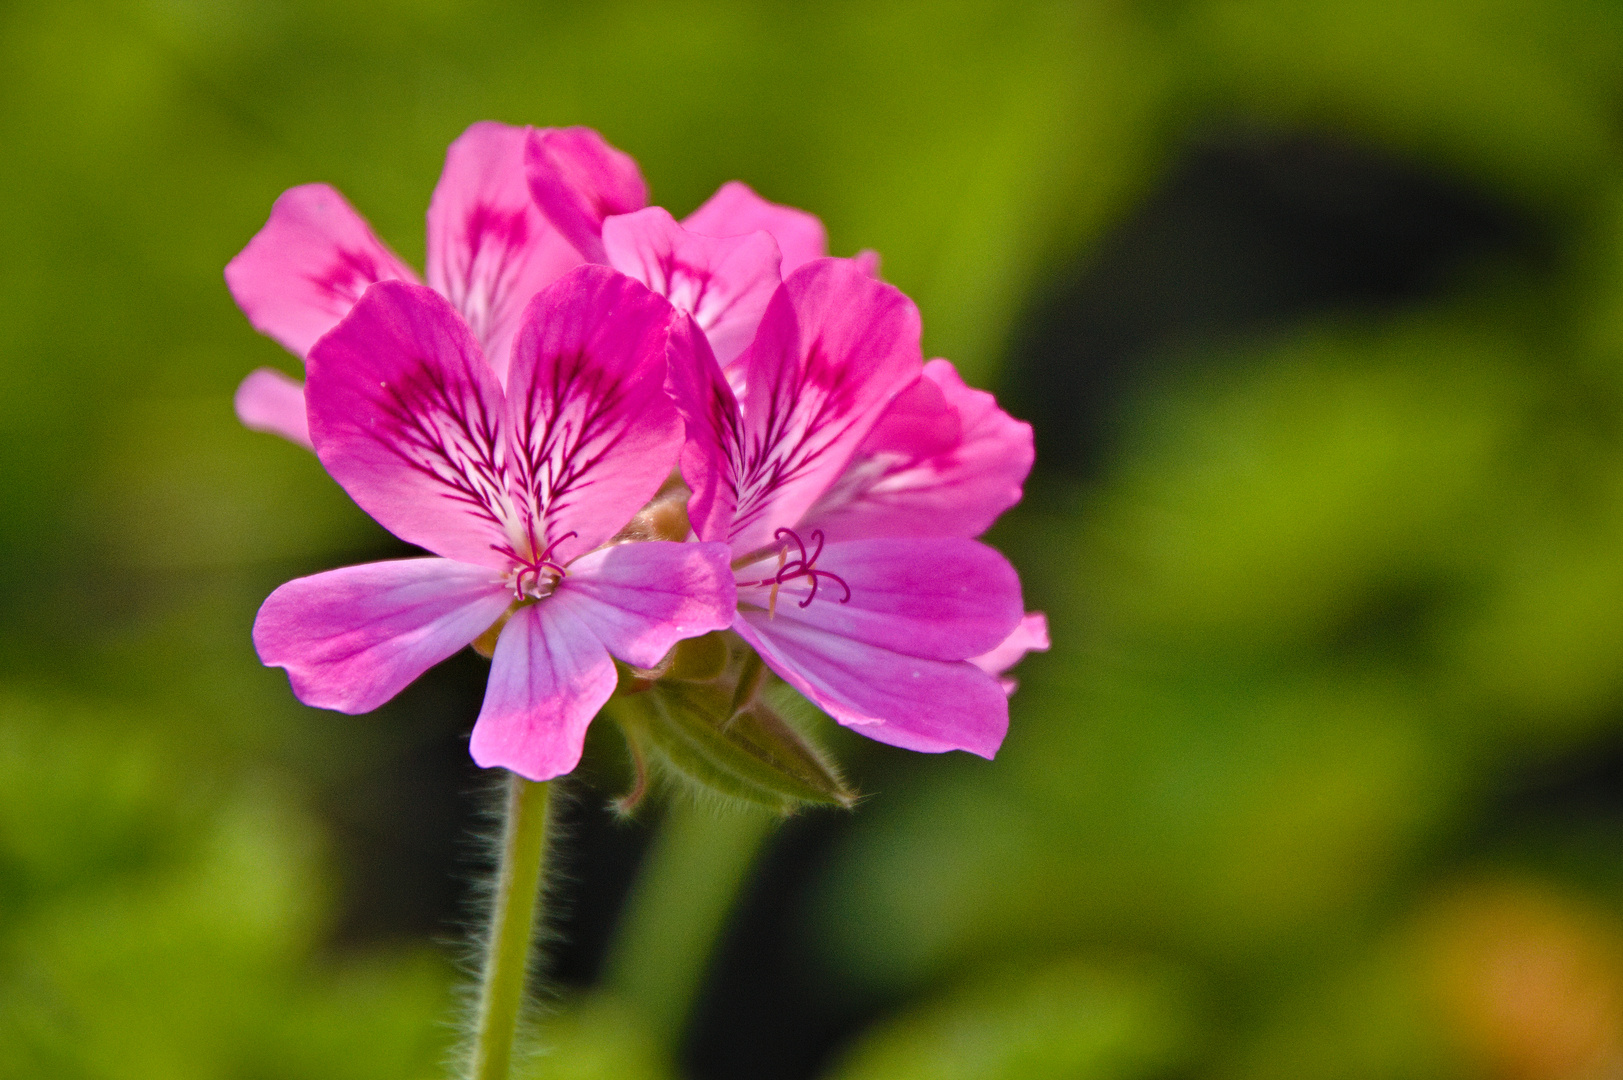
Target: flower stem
{"x": 514, "y": 913}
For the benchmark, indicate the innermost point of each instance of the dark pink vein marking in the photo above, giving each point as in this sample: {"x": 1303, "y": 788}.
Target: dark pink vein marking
{"x": 467, "y": 458}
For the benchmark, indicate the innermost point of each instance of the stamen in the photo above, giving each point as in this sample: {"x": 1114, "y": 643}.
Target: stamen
{"x": 536, "y": 568}
{"x": 803, "y": 566}
{"x": 777, "y": 579}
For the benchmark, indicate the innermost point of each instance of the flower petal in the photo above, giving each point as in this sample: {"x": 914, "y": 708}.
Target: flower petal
{"x": 941, "y": 598}
{"x": 723, "y": 283}
{"x": 834, "y": 348}
{"x": 642, "y": 598}
{"x": 269, "y": 401}
{"x": 594, "y": 434}
{"x": 943, "y": 461}
{"x": 917, "y": 704}
{"x": 1030, "y": 636}
{"x": 548, "y": 678}
{"x": 490, "y": 249}
{"x": 407, "y": 417}
{"x": 306, "y": 268}
{"x": 713, "y": 429}
{"x": 867, "y": 260}
{"x": 577, "y": 179}
{"x": 351, "y": 639}
{"x": 735, "y": 210}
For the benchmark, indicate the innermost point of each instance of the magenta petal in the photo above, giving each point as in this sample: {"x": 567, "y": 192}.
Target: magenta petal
{"x": 306, "y": 268}
{"x": 713, "y": 430}
{"x": 351, "y": 639}
{"x": 489, "y": 247}
{"x": 735, "y": 210}
{"x": 834, "y": 348}
{"x": 269, "y": 401}
{"x": 642, "y": 598}
{"x": 595, "y": 434}
{"x": 942, "y": 598}
{"x": 723, "y": 283}
{"x": 1030, "y": 636}
{"x": 407, "y": 416}
{"x": 577, "y": 179}
{"x": 548, "y": 678}
{"x": 867, "y": 261}
{"x": 917, "y": 704}
{"x": 946, "y": 468}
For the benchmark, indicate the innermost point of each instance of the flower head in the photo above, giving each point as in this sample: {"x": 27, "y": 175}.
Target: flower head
{"x": 520, "y": 417}
{"x": 843, "y": 480}
{"x": 519, "y": 491}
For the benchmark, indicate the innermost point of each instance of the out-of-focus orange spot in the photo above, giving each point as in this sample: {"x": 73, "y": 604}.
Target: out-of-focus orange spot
{"x": 1530, "y": 980}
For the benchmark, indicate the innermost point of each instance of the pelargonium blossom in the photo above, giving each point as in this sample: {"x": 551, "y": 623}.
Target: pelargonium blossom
{"x": 720, "y": 264}
{"x": 872, "y": 600}
{"x": 489, "y": 251}
{"x": 943, "y": 460}
{"x": 519, "y": 492}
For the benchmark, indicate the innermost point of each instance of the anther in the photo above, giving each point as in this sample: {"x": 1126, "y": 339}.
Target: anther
{"x": 803, "y": 566}
{"x": 535, "y": 568}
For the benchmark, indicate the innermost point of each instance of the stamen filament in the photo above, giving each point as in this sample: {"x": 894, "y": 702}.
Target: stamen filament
{"x": 803, "y": 566}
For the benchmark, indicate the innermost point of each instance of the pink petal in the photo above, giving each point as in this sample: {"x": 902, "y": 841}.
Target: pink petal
{"x": 577, "y": 179}
{"x": 642, "y": 598}
{"x": 548, "y": 678}
{"x": 269, "y": 401}
{"x": 942, "y": 467}
{"x": 867, "y": 261}
{"x": 594, "y": 433}
{"x": 489, "y": 247}
{"x": 723, "y": 283}
{"x": 306, "y": 268}
{"x": 351, "y": 639}
{"x": 408, "y": 417}
{"x": 735, "y": 210}
{"x": 834, "y": 348}
{"x": 942, "y": 598}
{"x": 917, "y": 704}
{"x": 1030, "y": 636}
{"x": 712, "y": 450}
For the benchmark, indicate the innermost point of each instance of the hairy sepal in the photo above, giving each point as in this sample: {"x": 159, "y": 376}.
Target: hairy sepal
{"x": 703, "y": 734}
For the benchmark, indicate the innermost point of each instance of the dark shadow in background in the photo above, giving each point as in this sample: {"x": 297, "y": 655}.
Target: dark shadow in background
{"x": 1250, "y": 231}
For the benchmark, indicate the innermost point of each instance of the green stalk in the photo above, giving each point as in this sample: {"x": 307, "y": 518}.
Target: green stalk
{"x": 514, "y": 913}
{"x": 691, "y": 877}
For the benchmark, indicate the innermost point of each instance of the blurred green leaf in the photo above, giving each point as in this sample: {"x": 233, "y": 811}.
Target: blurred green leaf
{"x": 594, "y": 1038}
{"x": 1065, "y": 1020}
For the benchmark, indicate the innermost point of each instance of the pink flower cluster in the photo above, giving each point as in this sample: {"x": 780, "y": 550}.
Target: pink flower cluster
{"x": 575, "y": 367}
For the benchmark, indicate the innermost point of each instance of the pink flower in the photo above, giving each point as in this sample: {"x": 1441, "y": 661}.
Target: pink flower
{"x": 551, "y": 159}
{"x": 519, "y": 492}
{"x": 489, "y": 251}
{"x": 720, "y": 265}
{"x": 874, "y": 602}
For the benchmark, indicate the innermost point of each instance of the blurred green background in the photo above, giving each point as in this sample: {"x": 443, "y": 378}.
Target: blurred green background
{"x": 1318, "y": 309}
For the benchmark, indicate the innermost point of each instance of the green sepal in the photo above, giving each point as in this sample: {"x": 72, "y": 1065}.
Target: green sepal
{"x": 753, "y": 754}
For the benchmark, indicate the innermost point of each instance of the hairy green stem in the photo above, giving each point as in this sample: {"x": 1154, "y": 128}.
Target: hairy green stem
{"x": 691, "y": 877}
{"x": 514, "y": 912}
